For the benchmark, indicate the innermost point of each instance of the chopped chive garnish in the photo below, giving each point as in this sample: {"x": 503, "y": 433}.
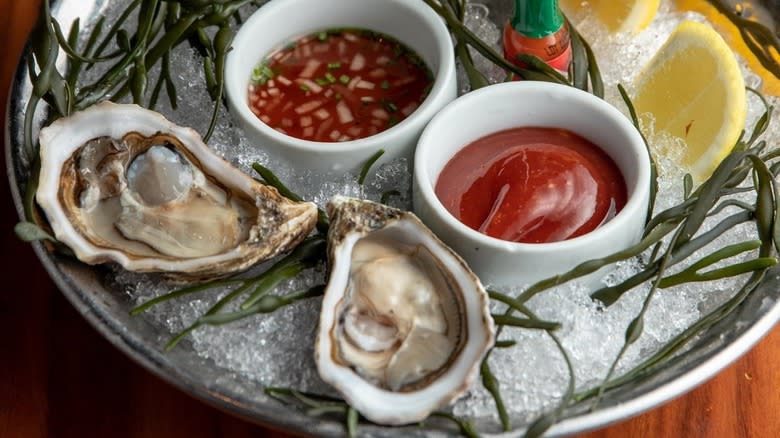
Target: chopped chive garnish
{"x": 322, "y": 36}
{"x": 385, "y": 85}
{"x": 330, "y": 78}
{"x": 261, "y": 74}
{"x": 321, "y": 81}
{"x": 338, "y": 96}
{"x": 392, "y": 121}
{"x": 257, "y": 75}
{"x": 334, "y": 65}
{"x": 267, "y": 72}
{"x": 344, "y": 79}
{"x": 304, "y": 87}
{"x": 388, "y": 105}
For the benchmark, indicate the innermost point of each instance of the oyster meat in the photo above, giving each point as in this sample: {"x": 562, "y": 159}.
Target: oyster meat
{"x": 122, "y": 184}
{"x": 404, "y": 324}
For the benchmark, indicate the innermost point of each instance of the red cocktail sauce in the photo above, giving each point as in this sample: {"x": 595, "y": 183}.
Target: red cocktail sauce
{"x": 532, "y": 185}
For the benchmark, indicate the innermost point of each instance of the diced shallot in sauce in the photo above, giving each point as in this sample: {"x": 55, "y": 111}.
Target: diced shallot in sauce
{"x": 377, "y": 73}
{"x": 322, "y": 114}
{"x": 403, "y": 81}
{"x": 365, "y": 85}
{"x": 338, "y": 85}
{"x": 311, "y": 85}
{"x": 353, "y": 82}
{"x": 380, "y": 114}
{"x": 310, "y": 68}
{"x": 323, "y": 129}
{"x": 358, "y": 62}
{"x": 345, "y": 115}
{"x": 408, "y": 109}
{"x": 308, "y": 106}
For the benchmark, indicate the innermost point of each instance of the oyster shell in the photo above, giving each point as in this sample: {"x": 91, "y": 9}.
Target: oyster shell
{"x": 404, "y": 324}
{"x": 120, "y": 183}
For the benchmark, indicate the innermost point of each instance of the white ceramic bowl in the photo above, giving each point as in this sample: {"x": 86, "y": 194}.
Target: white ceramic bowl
{"x": 516, "y": 104}
{"x": 279, "y": 22}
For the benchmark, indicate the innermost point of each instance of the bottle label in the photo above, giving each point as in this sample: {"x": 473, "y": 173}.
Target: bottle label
{"x": 560, "y": 45}
{"x": 554, "y": 49}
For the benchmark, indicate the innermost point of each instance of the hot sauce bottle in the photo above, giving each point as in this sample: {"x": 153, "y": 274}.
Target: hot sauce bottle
{"x": 538, "y": 28}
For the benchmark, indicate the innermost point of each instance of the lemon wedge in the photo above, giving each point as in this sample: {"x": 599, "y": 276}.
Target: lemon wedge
{"x": 693, "y": 89}
{"x": 618, "y": 16}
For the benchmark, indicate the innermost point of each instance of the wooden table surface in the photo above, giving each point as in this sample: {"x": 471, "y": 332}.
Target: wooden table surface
{"x": 59, "y": 378}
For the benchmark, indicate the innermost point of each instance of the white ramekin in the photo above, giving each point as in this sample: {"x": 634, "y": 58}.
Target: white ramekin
{"x": 504, "y": 106}
{"x": 279, "y": 22}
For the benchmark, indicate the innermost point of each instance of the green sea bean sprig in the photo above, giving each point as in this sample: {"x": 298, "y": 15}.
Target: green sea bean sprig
{"x": 256, "y": 290}
{"x": 317, "y": 405}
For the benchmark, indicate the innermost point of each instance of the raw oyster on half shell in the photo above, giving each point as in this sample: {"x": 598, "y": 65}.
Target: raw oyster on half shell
{"x": 122, "y": 184}
{"x": 404, "y": 324}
